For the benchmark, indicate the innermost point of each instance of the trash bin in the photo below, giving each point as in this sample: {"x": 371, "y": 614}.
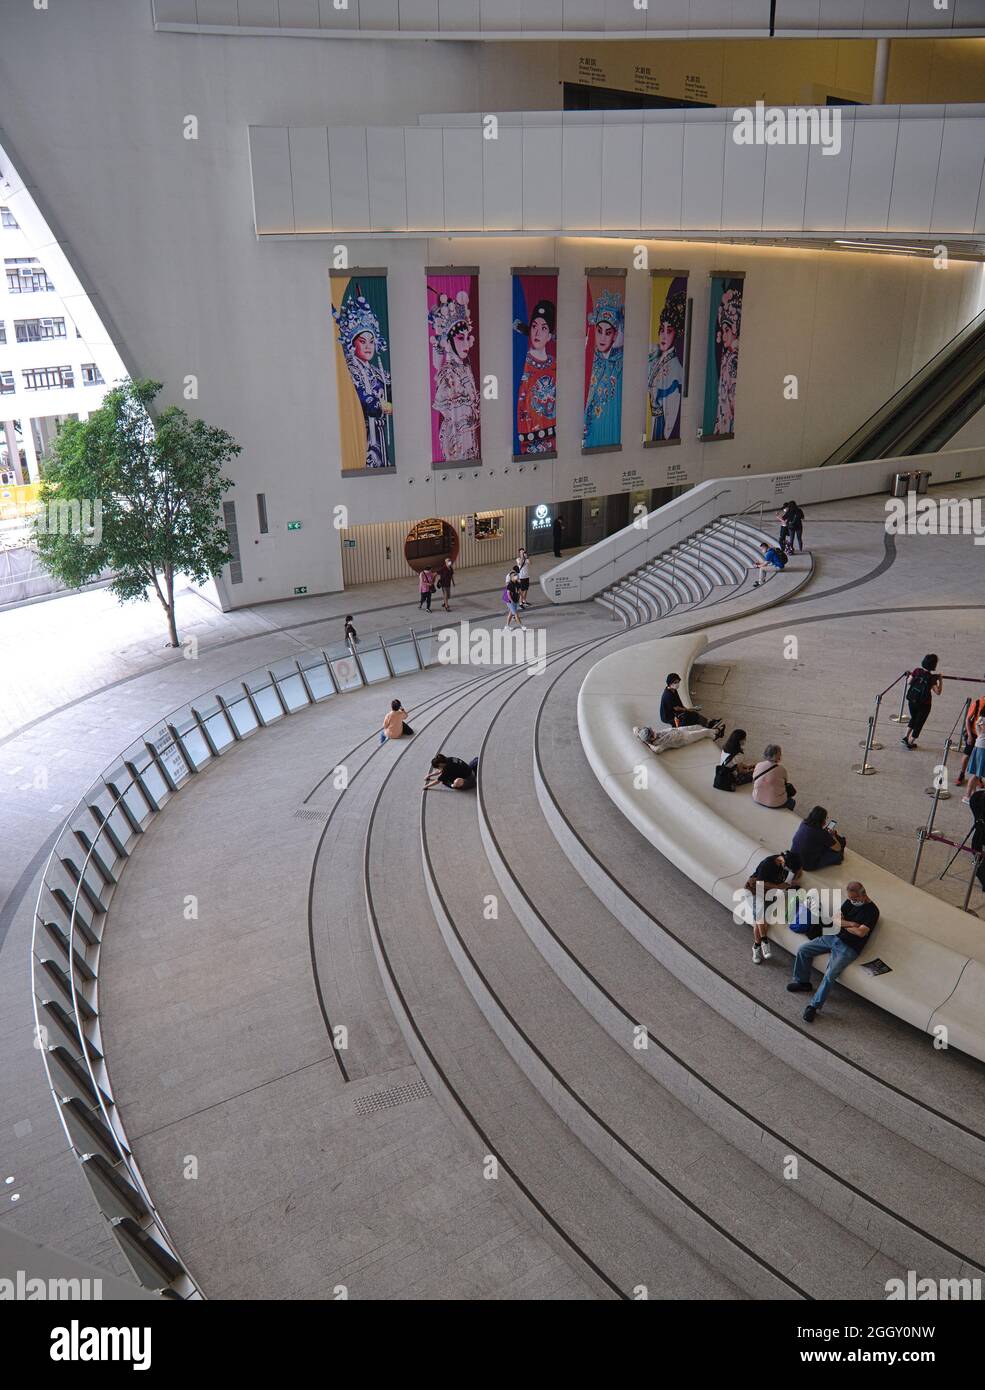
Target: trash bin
{"x": 900, "y": 485}
{"x": 922, "y": 481}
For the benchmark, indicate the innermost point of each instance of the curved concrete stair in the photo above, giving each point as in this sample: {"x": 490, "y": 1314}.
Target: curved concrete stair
{"x": 603, "y": 1227}
{"x": 598, "y": 1088}
{"x": 848, "y": 1163}
{"x": 935, "y": 1101}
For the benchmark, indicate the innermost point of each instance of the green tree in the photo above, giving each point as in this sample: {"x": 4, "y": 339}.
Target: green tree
{"x": 135, "y": 496}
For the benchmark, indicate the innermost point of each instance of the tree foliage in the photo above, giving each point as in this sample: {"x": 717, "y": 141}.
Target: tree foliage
{"x": 144, "y": 495}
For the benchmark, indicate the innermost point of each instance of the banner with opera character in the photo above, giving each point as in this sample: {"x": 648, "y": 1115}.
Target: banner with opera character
{"x": 362, "y": 370}
{"x": 605, "y": 316}
{"x": 453, "y": 336}
{"x": 535, "y": 363}
{"x": 667, "y": 357}
{"x": 724, "y": 326}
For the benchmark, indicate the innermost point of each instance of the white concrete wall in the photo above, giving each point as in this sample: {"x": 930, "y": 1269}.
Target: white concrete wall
{"x": 160, "y": 230}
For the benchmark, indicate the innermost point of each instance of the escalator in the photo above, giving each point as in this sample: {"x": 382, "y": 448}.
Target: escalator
{"x": 930, "y": 408}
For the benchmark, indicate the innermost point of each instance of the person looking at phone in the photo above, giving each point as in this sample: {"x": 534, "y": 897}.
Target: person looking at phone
{"x": 817, "y": 842}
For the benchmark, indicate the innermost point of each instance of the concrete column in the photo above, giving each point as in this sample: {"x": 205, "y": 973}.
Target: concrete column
{"x": 881, "y": 72}
{"x": 30, "y": 449}
{"x": 13, "y": 452}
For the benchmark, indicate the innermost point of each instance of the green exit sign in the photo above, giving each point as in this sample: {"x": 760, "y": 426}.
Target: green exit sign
{"x": 302, "y": 589}
{"x": 294, "y": 525}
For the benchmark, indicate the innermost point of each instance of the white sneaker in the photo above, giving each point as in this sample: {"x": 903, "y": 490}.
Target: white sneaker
{"x": 765, "y": 948}
{"x": 757, "y": 955}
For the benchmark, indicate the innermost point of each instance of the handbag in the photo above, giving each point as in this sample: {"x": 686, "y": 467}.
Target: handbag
{"x": 791, "y": 790}
{"x": 725, "y": 778}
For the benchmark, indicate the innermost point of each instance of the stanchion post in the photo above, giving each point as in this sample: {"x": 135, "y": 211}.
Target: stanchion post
{"x": 865, "y": 768}
{"x": 869, "y": 742}
{"x": 971, "y": 881}
{"x": 921, "y": 837}
{"x": 898, "y": 718}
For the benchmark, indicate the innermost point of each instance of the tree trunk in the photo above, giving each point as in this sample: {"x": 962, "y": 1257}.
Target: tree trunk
{"x": 169, "y": 590}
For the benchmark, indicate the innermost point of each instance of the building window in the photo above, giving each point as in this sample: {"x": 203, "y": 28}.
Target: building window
{"x": 7, "y": 217}
{"x": 48, "y": 378}
{"x": 35, "y": 330}
{"x": 91, "y": 375}
{"x": 26, "y": 276}
{"x": 3, "y": 331}
{"x": 6, "y": 383}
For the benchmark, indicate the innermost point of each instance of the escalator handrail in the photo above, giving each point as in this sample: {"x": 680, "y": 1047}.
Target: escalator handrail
{"x": 846, "y": 452}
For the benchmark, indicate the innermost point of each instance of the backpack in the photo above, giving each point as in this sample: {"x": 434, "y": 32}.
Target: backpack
{"x": 506, "y": 595}
{"x": 781, "y": 559}
{"x": 919, "y": 688}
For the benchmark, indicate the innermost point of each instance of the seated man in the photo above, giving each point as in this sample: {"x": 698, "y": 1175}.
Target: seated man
{"x": 856, "y": 922}
{"x": 453, "y": 773}
{"x": 772, "y": 562}
{"x": 677, "y": 714}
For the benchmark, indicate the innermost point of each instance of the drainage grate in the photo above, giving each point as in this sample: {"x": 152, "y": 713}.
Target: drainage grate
{"x": 396, "y": 1095}
{"x": 310, "y": 813}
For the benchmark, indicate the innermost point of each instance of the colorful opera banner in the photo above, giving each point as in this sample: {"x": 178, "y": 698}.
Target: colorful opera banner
{"x": 605, "y": 315}
{"x": 724, "y": 325}
{"x": 535, "y": 363}
{"x": 667, "y": 356}
{"x": 362, "y": 370}
{"x": 453, "y": 332}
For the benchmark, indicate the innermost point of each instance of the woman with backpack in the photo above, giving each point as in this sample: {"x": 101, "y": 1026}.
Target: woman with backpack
{"x": 923, "y": 685}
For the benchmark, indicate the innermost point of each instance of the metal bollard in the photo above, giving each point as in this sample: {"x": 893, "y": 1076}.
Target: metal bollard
{"x": 938, "y": 790}
{"x": 865, "y": 768}
{"x": 971, "y": 881}
{"x": 898, "y": 718}
{"x": 921, "y": 837}
{"x": 868, "y": 743}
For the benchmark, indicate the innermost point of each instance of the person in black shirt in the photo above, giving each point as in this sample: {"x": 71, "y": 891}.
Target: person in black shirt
{"x": 817, "y": 843}
{"x": 855, "y": 922}
{"x": 454, "y": 773}
{"x": 772, "y": 873}
{"x": 677, "y": 714}
{"x": 978, "y": 836}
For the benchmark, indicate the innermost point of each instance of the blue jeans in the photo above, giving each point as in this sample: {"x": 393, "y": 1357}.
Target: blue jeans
{"x": 841, "y": 955}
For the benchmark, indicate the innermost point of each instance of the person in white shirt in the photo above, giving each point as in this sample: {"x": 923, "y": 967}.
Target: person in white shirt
{"x": 523, "y": 566}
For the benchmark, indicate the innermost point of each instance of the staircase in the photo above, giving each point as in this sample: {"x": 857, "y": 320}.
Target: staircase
{"x": 713, "y": 563}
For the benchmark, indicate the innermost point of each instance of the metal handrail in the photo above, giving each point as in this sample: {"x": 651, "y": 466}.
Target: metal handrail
{"x": 919, "y": 378}
{"x": 105, "y": 1101}
{"x": 718, "y": 522}
{"x": 652, "y": 536}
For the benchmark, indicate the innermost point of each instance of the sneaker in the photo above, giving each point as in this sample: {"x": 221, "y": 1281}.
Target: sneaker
{"x": 810, "y": 1013}
{"x": 966, "y": 801}
{"x": 906, "y": 742}
{"x": 757, "y": 955}
{"x": 795, "y": 987}
{"x": 959, "y": 781}
{"x": 764, "y": 946}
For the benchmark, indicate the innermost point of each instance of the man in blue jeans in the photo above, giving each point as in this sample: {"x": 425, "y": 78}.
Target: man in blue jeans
{"x": 856, "y": 922}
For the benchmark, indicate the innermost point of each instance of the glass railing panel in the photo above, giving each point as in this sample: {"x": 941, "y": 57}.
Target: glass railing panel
{"x": 290, "y": 685}
{"x": 316, "y": 674}
{"x": 264, "y": 696}
{"x": 403, "y": 655}
{"x": 241, "y": 713}
{"x": 211, "y": 715}
{"x": 162, "y": 741}
{"x": 427, "y": 644}
{"x": 373, "y": 660}
{"x": 346, "y": 673}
